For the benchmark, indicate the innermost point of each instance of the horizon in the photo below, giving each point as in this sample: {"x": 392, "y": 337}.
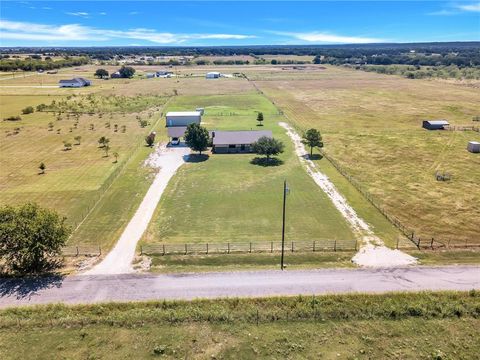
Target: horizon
{"x": 213, "y": 24}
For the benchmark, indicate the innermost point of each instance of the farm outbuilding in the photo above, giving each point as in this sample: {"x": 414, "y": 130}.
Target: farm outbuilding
{"x": 435, "y": 124}
{"x": 183, "y": 118}
{"x": 176, "y": 131}
{"x": 473, "y": 146}
{"x": 225, "y": 142}
{"x": 213, "y": 75}
{"x": 76, "y": 82}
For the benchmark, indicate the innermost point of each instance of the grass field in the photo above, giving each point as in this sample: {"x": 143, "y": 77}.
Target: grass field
{"x": 424, "y": 325}
{"x": 226, "y": 198}
{"x": 372, "y": 126}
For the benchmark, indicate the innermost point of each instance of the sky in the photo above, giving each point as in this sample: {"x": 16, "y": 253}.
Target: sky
{"x": 201, "y": 23}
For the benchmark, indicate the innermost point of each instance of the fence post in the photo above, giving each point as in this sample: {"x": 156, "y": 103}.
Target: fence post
{"x": 271, "y": 246}
{"x": 313, "y": 245}
{"x": 207, "y": 248}
{"x": 335, "y": 246}
{"x": 228, "y": 248}
{"x": 186, "y": 250}
{"x": 292, "y": 246}
{"x": 77, "y": 251}
{"x": 250, "y": 250}
{"x": 257, "y": 316}
{"x": 431, "y": 243}
{"x": 163, "y": 246}
{"x": 398, "y": 239}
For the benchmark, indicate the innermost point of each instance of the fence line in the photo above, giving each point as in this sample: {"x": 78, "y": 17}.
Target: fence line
{"x": 248, "y": 247}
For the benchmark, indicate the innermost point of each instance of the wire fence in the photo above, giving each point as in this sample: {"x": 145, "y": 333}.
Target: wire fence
{"x": 248, "y": 247}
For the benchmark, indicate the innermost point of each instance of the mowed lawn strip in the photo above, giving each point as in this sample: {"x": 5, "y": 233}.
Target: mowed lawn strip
{"x": 228, "y": 199}
{"x": 422, "y": 325}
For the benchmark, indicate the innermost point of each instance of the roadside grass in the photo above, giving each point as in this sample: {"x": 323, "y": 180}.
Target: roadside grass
{"x": 412, "y": 325}
{"x": 371, "y": 125}
{"x": 447, "y": 257}
{"x": 236, "y": 262}
{"x": 226, "y": 198}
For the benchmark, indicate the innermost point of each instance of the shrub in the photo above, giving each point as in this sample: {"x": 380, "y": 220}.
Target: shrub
{"x": 28, "y": 110}
{"x": 12, "y": 118}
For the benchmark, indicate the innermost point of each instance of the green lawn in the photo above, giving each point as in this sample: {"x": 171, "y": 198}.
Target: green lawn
{"x": 403, "y": 326}
{"x": 228, "y": 199}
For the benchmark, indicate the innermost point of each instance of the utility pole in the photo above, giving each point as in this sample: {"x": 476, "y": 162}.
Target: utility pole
{"x": 285, "y": 191}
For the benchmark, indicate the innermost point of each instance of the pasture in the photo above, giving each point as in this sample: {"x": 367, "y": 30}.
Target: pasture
{"x": 372, "y": 126}
{"x": 227, "y": 198}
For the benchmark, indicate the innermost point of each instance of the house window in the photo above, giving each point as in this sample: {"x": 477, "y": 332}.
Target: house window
{"x": 242, "y": 147}
{"x": 232, "y": 146}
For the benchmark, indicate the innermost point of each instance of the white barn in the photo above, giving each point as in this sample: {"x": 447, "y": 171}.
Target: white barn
{"x": 183, "y": 118}
{"x": 473, "y": 146}
{"x": 212, "y": 75}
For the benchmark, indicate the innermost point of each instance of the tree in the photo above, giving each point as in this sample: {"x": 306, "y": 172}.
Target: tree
{"x": 42, "y": 168}
{"x": 312, "y": 138}
{"x": 260, "y": 119}
{"x": 268, "y": 146}
{"x": 196, "y": 137}
{"x": 28, "y": 110}
{"x": 67, "y": 146}
{"x": 106, "y": 148}
{"x": 103, "y": 141}
{"x": 150, "y": 139}
{"x": 30, "y": 237}
{"x": 101, "y": 73}
{"x": 78, "y": 139}
{"x": 126, "y": 71}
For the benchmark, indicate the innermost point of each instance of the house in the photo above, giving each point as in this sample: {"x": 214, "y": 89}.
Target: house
{"x": 182, "y": 118}
{"x": 115, "y": 75}
{"x": 473, "y": 146}
{"x": 236, "y": 141}
{"x": 212, "y": 75}
{"x": 76, "y": 82}
{"x": 435, "y": 124}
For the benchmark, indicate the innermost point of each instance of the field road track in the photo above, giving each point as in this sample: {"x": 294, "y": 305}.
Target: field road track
{"x": 141, "y": 287}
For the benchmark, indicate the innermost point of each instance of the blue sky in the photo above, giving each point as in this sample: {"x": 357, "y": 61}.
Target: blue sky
{"x": 115, "y": 23}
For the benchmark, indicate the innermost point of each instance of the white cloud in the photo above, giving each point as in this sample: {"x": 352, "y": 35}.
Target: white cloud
{"x": 133, "y": 13}
{"x": 78, "y": 13}
{"x": 328, "y": 38}
{"x": 102, "y": 13}
{"x": 14, "y": 30}
{"x": 475, "y": 7}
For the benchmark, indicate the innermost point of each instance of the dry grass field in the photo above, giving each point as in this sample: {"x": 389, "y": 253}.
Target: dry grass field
{"x": 372, "y": 127}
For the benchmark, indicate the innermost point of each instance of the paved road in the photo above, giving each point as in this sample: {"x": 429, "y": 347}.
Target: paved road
{"x": 131, "y": 287}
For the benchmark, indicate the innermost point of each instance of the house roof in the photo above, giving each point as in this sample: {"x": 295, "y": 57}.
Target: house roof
{"x": 184, "y": 113}
{"x": 213, "y": 73}
{"x": 437, "y": 122}
{"x": 176, "y": 131}
{"x": 77, "y": 80}
{"x": 239, "y": 137}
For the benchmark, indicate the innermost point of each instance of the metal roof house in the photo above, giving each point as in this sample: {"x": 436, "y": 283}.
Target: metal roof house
{"x": 213, "y": 75}
{"x": 76, "y": 82}
{"x": 225, "y": 142}
{"x": 435, "y": 124}
{"x": 182, "y": 118}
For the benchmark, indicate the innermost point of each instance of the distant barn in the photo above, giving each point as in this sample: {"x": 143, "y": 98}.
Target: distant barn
{"x": 435, "y": 124}
{"x": 76, "y": 82}
{"x": 473, "y": 146}
{"x": 212, "y": 75}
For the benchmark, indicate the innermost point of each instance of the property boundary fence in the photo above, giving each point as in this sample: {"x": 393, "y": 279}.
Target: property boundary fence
{"x": 82, "y": 250}
{"x": 248, "y": 247}
{"x": 463, "y": 128}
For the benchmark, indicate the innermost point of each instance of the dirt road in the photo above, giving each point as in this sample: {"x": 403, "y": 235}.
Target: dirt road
{"x": 137, "y": 287}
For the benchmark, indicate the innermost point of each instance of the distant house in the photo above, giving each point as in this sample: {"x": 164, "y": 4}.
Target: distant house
{"x": 182, "y": 118}
{"x": 473, "y": 146}
{"x": 435, "y": 124}
{"x": 212, "y": 75}
{"x": 76, "y": 82}
{"x": 115, "y": 75}
{"x": 236, "y": 141}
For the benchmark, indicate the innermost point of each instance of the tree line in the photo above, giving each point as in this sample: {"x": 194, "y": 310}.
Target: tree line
{"x": 32, "y": 64}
